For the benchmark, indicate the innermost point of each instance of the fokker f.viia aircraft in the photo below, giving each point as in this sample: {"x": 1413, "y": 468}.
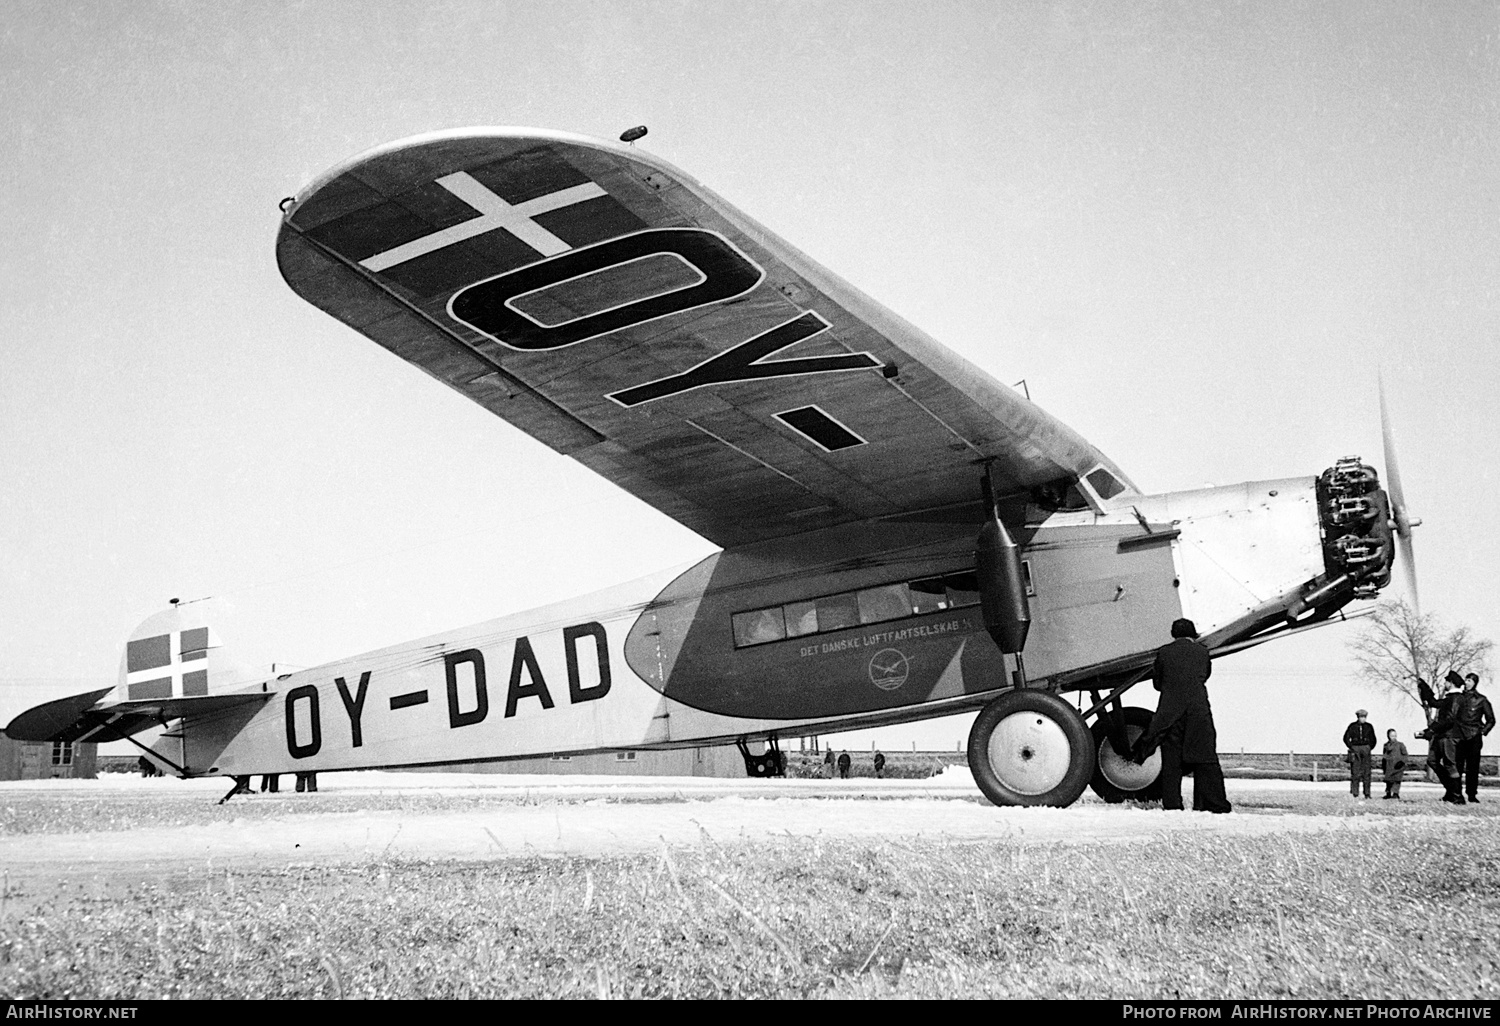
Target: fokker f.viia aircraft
{"x": 901, "y": 536}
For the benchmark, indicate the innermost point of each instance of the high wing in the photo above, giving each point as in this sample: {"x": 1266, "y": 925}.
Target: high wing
{"x": 610, "y": 306}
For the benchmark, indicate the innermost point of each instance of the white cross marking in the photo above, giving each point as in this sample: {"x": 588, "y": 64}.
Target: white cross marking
{"x": 174, "y": 669}
{"x": 494, "y": 213}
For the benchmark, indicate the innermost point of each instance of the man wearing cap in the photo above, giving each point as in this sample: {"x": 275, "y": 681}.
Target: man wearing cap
{"x": 1184, "y": 724}
{"x": 1442, "y": 737}
{"x": 1473, "y": 718}
{"x": 1359, "y": 738}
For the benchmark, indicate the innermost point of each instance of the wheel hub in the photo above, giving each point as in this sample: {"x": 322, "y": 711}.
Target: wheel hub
{"x": 1030, "y": 753}
{"x": 1123, "y": 773}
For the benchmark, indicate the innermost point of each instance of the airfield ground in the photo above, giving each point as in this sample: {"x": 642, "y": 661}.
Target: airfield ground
{"x": 447, "y": 885}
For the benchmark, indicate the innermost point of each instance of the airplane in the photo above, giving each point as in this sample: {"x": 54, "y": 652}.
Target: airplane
{"x": 900, "y": 536}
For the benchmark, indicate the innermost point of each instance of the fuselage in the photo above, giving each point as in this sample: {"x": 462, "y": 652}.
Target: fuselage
{"x": 862, "y": 624}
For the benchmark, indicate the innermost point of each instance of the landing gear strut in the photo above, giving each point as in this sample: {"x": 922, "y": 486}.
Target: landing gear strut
{"x": 1029, "y": 747}
{"x": 770, "y": 764}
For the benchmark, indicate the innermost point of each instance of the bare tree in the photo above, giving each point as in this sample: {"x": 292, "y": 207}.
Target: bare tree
{"x": 1397, "y": 645}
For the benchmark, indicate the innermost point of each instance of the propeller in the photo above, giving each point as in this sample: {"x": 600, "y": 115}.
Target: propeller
{"x": 1402, "y": 521}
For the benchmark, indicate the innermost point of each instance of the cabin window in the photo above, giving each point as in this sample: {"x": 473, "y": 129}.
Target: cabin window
{"x": 624, "y": 757}
{"x": 962, "y": 590}
{"x": 801, "y": 618}
{"x": 851, "y": 608}
{"x": 62, "y": 753}
{"x": 837, "y": 611}
{"x": 888, "y": 602}
{"x": 928, "y": 596}
{"x": 759, "y": 626}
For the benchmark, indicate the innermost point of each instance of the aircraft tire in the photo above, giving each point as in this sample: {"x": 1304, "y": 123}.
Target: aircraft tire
{"x": 1119, "y": 780}
{"x": 1029, "y": 747}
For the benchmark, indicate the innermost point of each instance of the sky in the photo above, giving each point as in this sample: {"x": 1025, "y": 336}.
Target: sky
{"x": 1195, "y": 230}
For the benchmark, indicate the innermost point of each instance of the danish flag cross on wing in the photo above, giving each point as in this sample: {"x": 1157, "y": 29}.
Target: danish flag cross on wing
{"x": 171, "y": 665}
{"x": 494, "y": 213}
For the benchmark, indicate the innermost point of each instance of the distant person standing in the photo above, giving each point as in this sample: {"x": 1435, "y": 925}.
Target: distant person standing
{"x": 828, "y": 761}
{"x": 844, "y": 765}
{"x": 1359, "y": 739}
{"x": 1183, "y": 726}
{"x": 1473, "y": 719}
{"x": 1393, "y": 760}
{"x": 879, "y": 765}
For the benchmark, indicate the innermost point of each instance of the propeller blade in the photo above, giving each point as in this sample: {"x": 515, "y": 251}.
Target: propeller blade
{"x": 1392, "y": 470}
{"x": 1393, "y": 490}
{"x": 1409, "y": 569}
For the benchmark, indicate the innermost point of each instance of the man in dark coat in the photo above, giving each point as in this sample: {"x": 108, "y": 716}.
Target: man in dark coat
{"x": 1359, "y": 739}
{"x": 1473, "y": 718}
{"x": 1442, "y": 742}
{"x": 1184, "y": 724}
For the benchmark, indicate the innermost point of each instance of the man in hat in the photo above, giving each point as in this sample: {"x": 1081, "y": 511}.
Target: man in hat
{"x": 1183, "y": 725}
{"x": 1442, "y": 737}
{"x": 1359, "y": 738}
{"x": 1473, "y": 718}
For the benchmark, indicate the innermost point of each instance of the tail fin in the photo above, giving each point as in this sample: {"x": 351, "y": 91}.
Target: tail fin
{"x": 177, "y": 654}
{"x": 174, "y": 662}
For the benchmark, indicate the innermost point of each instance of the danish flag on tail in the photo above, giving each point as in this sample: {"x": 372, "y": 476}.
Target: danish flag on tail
{"x": 171, "y": 665}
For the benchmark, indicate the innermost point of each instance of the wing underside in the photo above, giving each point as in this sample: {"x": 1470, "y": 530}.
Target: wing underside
{"x": 608, "y": 305}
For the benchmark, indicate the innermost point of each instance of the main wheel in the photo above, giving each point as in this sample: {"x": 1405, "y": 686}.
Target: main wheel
{"x": 1031, "y": 748}
{"x": 1117, "y": 779}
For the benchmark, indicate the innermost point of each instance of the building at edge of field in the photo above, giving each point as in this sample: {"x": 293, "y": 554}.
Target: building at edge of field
{"x": 47, "y": 760}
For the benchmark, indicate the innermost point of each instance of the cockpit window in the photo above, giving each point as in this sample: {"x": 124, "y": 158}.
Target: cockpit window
{"x": 1105, "y": 484}
{"x": 1059, "y": 496}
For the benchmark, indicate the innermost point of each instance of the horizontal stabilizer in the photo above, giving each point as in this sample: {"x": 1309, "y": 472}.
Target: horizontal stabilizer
{"x": 55, "y": 720}
{"x": 83, "y": 718}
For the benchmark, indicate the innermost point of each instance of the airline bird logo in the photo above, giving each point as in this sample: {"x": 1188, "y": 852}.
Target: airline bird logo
{"x": 888, "y": 669}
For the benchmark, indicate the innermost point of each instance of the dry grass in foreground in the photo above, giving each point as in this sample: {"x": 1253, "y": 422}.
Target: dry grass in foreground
{"x": 1330, "y": 915}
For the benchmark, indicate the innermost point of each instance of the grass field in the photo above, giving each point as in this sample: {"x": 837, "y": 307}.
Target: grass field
{"x": 1407, "y": 911}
